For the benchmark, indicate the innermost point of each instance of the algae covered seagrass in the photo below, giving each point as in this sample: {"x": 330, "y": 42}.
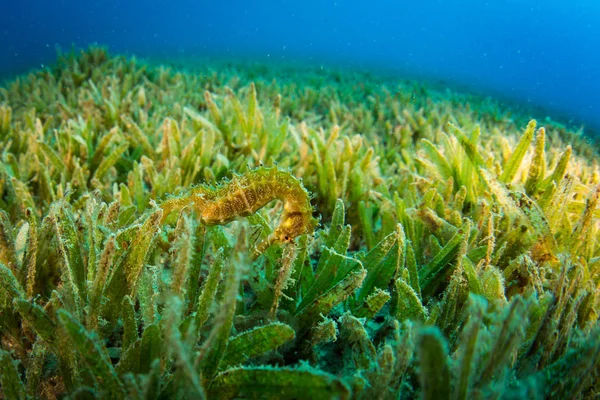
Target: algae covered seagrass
{"x": 457, "y": 253}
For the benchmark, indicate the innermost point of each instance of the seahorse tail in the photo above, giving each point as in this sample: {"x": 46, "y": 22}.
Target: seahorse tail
{"x": 170, "y": 206}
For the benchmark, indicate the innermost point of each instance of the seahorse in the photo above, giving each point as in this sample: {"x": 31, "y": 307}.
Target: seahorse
{"x": 244, "y": 195}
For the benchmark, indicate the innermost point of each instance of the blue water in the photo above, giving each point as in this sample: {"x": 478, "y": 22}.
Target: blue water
{"x": 540, "y": 53}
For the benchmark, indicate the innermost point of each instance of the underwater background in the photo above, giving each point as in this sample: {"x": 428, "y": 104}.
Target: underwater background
{"x": 279, "y": 200}
{"x": 538, "y": 53}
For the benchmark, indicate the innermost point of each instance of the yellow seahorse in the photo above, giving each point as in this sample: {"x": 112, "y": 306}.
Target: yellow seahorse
{"x": 245, "y": 194}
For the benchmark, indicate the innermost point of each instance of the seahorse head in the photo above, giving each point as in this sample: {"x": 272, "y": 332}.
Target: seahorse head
{"x": 294, "y": 224}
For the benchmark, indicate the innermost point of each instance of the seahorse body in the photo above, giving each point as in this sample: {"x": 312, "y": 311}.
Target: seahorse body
{"x": 246, "y": 194}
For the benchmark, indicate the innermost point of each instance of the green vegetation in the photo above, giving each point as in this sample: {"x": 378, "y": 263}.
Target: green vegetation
{"x": 457, "y": 256}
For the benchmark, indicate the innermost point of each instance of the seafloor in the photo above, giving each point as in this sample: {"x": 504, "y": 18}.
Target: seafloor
{"x": 456, "y": 255}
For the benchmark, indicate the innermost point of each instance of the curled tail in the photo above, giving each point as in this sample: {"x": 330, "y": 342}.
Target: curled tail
{"x": 171, "y": 205}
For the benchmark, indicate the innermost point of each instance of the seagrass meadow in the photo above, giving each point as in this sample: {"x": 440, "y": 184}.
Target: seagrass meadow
{"x": 450, "y": 246}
